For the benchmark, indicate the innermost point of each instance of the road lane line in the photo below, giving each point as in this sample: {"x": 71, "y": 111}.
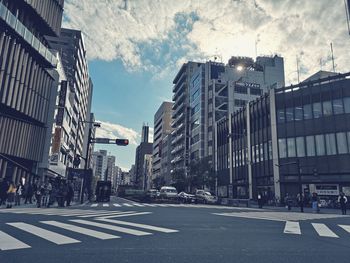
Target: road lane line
{"x": 8, "y": 242}
{"x": 81, "y": 230}
{"x": 292, "y": 228}
{"x": 128, "y": 205}
{"x": 139, "y": 205}
{"x": 117, "y": 205}
{"x": 148, "y": 227}
{"x": 45, "y": 234}
{"x": 112, "y": 227}
{"x": 151, "y": 205}
{"x": 345, "y": 227}
{"x": 94, "y": 205}
{"x": 323, "y": 231}
{"x": 106, "y": 214}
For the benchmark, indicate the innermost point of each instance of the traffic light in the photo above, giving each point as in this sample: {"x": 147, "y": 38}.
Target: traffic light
{"x": 122, "y": 142}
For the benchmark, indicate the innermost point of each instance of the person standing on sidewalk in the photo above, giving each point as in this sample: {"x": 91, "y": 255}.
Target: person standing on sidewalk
{"x": 28, "y": 192}
{"x": 342, "y": 200}
{"x": 4, "y": 186}
{"x": 315, "y": 203}
{"x": 260, "y": 200}
{"x": 288, "y": 202}
{"x": 11, "y": 195}
{"x": 19, "y": 192}
{"x": 70, "y": 193}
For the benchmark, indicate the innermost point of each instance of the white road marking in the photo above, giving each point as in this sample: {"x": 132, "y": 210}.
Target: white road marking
{"x": 117, "y": 205}
{"x": 107, "y": 214}
{"x": 45, "y": 234}
{"x": 139, "y": 205}
{"x": 292, "y": 228}
{"x": 148, "y": 227}
{"x": 151, "y": 205}
{"x": 345, "y": 227}
{"x": 81, "y": 230}
{"x": 126, "y": 214}
{"x": 94, "y": 205}
{"x": 128, "y": 205}
{"x": 323, "y": 231}
{"x": 105, "y": 205}
{"x": 8, "y": 242}
{"x": 112, "y": 227}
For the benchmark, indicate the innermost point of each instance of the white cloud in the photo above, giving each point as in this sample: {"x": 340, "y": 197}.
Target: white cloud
{"x": 111, "y": 130}
{"x": 115, "y": 30}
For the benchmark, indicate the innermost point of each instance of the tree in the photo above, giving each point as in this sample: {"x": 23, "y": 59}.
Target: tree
{"x": 179, "y": 179}
{"x": 202, "y": 174}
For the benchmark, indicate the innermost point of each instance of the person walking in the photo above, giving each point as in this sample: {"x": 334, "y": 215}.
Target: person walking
{"x": 4, "y": 185}
{"x": 39, "y": 193}
{"x": 19, "y": 191}
{"x": 70, "y": 193}
{"x": 28, "y": 192}
{"x": 315, "y": 203}
{"x": 46, "y": 194}
{"x": 288, "y": 202}
{"x": 260, "y": 200}
{"x": 11, "y": 191}
{"x": 342, "y": 200}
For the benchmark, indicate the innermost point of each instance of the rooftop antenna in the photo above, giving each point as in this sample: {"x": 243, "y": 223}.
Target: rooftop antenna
{"x": 298, "y": 70}
{"x": 332, "y": 57}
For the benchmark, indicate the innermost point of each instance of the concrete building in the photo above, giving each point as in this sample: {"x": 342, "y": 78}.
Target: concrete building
{"x": 147, "y": 169}
{"x": 204, "y": 93}
{"x": 166, "y": 178}
{"x": 100, "y": 164}
{"x": 301, "y": 128}
{"x": 162, "y": 128}
{"x": 144, "y": 148}
{"x": 28, "y": 85}
{"x": 71, "y": 47}
{"x": 110, "y": 169}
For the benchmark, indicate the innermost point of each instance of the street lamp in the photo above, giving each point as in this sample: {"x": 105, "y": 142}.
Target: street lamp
{"x": 297, "y": 162}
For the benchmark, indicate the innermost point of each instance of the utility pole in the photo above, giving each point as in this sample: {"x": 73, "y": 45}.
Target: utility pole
{"x": 300, "y": 187}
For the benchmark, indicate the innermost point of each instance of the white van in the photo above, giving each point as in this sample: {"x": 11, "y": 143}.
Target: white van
{"x": 168, "y": 192}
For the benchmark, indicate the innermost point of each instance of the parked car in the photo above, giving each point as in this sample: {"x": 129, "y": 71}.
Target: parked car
{"x": 205, "y": 197}
{"x": 186, "y": 198}
{"x": 168, "y": 192}
{"x": 152, "y": 193}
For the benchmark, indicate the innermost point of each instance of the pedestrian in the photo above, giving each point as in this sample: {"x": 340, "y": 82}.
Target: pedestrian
{"x": 288, "y": 202}
{"x": 28, "y": 193}
{"x": 11, "y": 191}
{"x": 39, "y": 193}
{"x": 4, "y": 185}
{"x": 60, "y": 195}
{"x": 46, "y": 194}
{"x": 70, "y": 193}
{"x": 260, "y": 200}
{"x": 315, "y": 203}
{"x": 342, "y": 200}
{"x": 19, "y": 191}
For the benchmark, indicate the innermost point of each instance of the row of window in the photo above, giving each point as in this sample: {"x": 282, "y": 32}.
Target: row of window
{"x": 244, "y": 90}
{"x": 314, "y": 110}
{"x": 315, "y": 145}
{"x": 240, "y": 103}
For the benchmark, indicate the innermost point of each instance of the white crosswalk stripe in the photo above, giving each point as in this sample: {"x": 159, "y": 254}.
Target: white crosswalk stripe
{"x": 148, "y": 227}
{"x": 8, "y": 242}
{"x": 94, "y": 205}
{"x": 112, "y": 227}
{"x": 117, "y": 205}
{"x": 45, "y": 234}
{"x": 323, "y": 230}
{"x": 345, "y": 227}
{"x": 105, "y": 205}
{"x": 139, "y": 205}
{"x": 81, "y": 230}
{"x": 128, "y": 205}
{"x": 292, "y": 228}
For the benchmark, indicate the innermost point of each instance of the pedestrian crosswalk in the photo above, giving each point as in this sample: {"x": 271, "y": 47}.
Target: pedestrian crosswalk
{"x": 69, "y": 232}
{"x": 73, "y": 212}
{"x": 321, "y": 229}
{"x": 134, "y": 204}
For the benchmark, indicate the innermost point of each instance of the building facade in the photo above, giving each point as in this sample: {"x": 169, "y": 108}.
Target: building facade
{"x": 100, "y": 164}
{"x": 70, "y": 45}
{"x": 28, "y": 84}
{"x": 162, "y": 128}
{"x": 303, "y": 128}
{"x": 110, "y": 169}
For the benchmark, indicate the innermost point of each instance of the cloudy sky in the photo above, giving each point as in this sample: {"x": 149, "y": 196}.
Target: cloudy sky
{"x": 135, "y": 48}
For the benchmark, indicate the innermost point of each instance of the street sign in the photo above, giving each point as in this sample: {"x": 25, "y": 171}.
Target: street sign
{"x": 101, "y": 140}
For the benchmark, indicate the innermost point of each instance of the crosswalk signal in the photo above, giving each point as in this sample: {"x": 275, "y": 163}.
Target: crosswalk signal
{"x": 122, "y": 142}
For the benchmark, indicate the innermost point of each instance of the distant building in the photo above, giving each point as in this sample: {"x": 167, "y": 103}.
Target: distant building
{"x": 308, "y": 123}
{"x": 162, "y": 128}
{"x": 100, "y": 164}
{"x": 110, "y": 173}
{"x": 147, "y": 169}
{"x": 166, "y": 177}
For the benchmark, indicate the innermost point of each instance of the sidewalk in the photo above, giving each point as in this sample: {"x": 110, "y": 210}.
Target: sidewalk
{"x": 33, "y": 205}
{"x": 297, "y": 209}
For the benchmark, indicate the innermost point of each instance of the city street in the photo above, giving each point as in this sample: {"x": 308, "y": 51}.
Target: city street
{"x": 125, "y": 231}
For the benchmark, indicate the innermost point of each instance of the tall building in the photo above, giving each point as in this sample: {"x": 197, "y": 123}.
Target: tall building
{"x": 144, "y": 148}
{"x": 165, "y": 162}
{"x": 71, "y": 47}
{"x": 204, "y": 93}
{"x": 110, "y": 169}
{"x": 147, "y": 169}
{"x": 291, "y": 137}
{"x": 28, "y": 84}
{"x": 162, "y": 128}
{"x": 100, "y": 164}
{"x": 145, "y": 133}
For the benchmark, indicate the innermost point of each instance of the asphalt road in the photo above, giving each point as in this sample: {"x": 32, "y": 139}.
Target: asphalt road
{"x": 122, "y": 231}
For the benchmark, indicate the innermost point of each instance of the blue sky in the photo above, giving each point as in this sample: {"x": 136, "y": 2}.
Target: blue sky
{"x": 135, "y": 48}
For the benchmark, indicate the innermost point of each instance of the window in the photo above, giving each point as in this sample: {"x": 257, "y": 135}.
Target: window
{"x": 282, "y": 148}
{"x": 255, "y": 91}
{"x": 338, "y": 107}
{"x": 300, "y": 147}
{"x": 270, "y": 150}
{"x": 347, "y": 104}
{"x": 298, "y": 113}
{"x": 317, "y": 110}
{"x": 327, "y": 108}
{"x": 320, "y": 149}
{"x": 307, "y": 112}
{"x": 291, "y": 147}
{"x": 289, "y": 114}
{"x": 195, "y": 95}
{"x": 280, "y": 116}
{"x": 330, "y": 143}
{"x": 310, "y": 145}
{"x": 195, "y": 109}
{"x": 241, "y": 89}
{"x": 341, "y": 142}
{"x": 240, "y": 103}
